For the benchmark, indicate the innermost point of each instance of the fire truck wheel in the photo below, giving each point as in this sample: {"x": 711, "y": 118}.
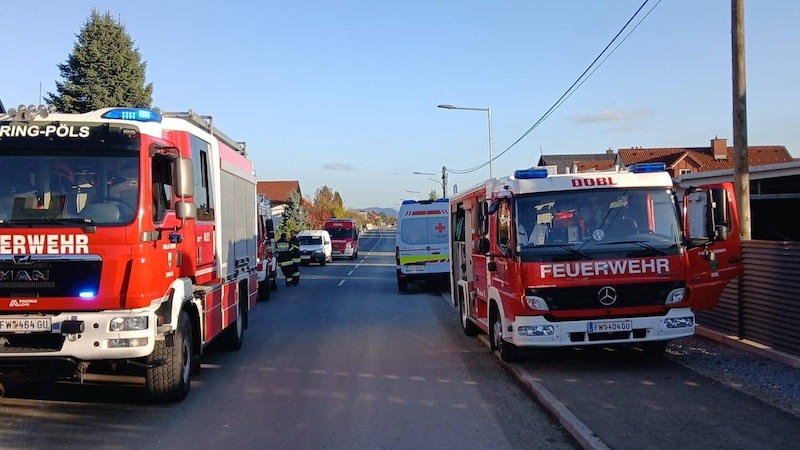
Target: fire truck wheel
{"x": 469, "y": 327}
{"x": 508, "y": 351}
{"x": 233, "y": 336}
{"x": 264, "y": 290}
{"x": 273, "y": 283}
{"x": 170, "y": 378}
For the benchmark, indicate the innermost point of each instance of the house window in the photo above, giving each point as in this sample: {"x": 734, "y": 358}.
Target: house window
{"x": 685, "y": 171}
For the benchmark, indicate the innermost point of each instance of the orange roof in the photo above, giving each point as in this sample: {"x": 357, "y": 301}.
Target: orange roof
{"x": 757, "y": 155}
{"x": 588, "y": 166}
{"x": 278, "y": 191}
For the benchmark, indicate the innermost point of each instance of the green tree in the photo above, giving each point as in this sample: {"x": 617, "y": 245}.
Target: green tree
{"x": 294, "y": 215}
{"x": 432, "y": 195}
{"x": 103, "y": 70}
{"x": 327, "y": 199}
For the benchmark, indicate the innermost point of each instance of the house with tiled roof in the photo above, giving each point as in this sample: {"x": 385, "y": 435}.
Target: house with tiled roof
{"x": 278, "y": 194}
{"x": 578, "y": 163}
{"x": 715, "y": 157}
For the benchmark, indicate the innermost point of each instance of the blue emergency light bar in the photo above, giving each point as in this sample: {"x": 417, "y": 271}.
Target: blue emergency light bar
{"x": 527, "y": 174}
{"x": 136, "y": 114}
{"x": 647, "y": 167}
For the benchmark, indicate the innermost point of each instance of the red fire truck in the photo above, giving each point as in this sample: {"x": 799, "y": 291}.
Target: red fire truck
{"x": 600, "y": 258}
{"x": 128, "y": 240}
{"x": 344, "y": 237}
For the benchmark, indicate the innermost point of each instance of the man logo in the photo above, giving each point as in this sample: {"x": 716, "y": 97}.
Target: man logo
{"x": 607, "y": 295}
{"x": 23, "y": 260}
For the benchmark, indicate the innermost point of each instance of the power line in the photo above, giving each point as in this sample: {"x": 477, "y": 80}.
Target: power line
{"x": 575, "y": 85}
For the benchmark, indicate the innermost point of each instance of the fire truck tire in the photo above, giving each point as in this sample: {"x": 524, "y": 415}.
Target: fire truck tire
{"x": 469, "y": 327}
{"x": 170, "y": 379}
{"x": 273, "y": 282}
{"x": 264, "y": 291}
{"x": 654, "y": 349}
{"x": 402, "y": 284}
{"x": 233, "y": 336}
{"x": 508, "y": 352}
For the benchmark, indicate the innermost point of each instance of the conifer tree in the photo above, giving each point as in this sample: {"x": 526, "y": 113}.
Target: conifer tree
{"x": 103, "y": 70}
{"x": 294, "y": 215}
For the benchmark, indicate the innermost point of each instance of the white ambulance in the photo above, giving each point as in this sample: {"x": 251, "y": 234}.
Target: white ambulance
{"x": 422, "y": 249}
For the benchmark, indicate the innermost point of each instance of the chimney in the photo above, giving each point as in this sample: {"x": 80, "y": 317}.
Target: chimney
{"x": 610, "y": 151}
{"x": 719, "y": 148}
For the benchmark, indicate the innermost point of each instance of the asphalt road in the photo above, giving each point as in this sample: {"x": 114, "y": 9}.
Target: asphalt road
{"x": 342, "y": 361}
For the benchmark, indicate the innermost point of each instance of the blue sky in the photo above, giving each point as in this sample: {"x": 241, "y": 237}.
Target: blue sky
{"x": 344, "y": 93}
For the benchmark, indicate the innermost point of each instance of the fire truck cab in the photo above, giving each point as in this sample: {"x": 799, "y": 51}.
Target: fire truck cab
{"x": 128, "y": 238}
{"x": 601, "y": 258}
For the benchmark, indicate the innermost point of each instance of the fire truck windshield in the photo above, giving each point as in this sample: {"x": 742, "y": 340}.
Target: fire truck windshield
{"x": 601, "y": 223}
{"x": 98, "y": 186}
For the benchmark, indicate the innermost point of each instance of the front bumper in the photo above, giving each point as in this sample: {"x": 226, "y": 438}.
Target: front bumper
{"x": 576, "y": 333}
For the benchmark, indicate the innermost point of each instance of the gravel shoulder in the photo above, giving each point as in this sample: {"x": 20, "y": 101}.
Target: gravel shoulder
{"x": 748, "y": 367}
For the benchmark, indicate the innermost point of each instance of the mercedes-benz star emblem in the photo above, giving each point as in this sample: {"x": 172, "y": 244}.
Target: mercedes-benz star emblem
{"x": 607, "y": 295}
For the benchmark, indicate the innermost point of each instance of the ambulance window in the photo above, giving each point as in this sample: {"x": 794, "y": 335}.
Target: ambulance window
{"x": 413, "y": 231}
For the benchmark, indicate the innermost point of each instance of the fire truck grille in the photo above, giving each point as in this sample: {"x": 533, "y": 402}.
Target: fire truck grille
{"x": 43, "y": 278}
{"x": 607, "y": 296}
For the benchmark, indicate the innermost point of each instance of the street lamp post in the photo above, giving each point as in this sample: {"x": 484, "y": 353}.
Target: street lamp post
{"x": 444, "y": 192}
{"x": 489, "y": 114}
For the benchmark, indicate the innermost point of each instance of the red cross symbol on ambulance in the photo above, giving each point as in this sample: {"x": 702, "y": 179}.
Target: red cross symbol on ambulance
{"x": 439, "y": 227}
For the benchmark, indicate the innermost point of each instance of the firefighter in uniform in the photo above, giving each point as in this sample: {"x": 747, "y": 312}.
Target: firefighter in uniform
{"x": 294, "y": 249}
{"x": 285, "y": 261}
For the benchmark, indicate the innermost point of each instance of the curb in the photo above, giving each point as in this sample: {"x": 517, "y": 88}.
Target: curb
{"x": 577, "y": 429}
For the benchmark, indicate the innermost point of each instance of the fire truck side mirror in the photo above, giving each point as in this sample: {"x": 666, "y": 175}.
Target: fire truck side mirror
{"x": 482, "y": 218}
{"x": 185, "y": 210}
{"x": 184, "y": 178}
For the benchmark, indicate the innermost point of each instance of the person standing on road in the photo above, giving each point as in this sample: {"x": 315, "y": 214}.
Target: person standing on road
{"x": 285, "y": 261}
{"x": 294, "y": 249}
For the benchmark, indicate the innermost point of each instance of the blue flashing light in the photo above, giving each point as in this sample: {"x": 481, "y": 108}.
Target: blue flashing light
{"x": 527, "y": 174}
{"x": 136, "y": 114}
{"x": 409, "y": 202}
{"x": 443, "y": 200}
{"x": 647, "y": 167}
{"x": 87, "y": 294}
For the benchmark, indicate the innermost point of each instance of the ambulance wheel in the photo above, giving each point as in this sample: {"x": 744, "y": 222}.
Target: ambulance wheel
{"x": 508, "y": 351}
{"x": 264, "y": 291}
{"x": 169, "y": 377}
{"x": 233, "y": 336}
{"x": 654, "y": 349}
{"x": 402, "y": 284}
{"x": 469, "y": 327}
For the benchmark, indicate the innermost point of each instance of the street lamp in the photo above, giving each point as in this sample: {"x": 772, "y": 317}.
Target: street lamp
{"x": 489, "y": 113}
{"x": 444, "y": 193}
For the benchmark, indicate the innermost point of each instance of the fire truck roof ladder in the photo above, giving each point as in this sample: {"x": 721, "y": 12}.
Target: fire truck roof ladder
{"x": 207, "y": 123}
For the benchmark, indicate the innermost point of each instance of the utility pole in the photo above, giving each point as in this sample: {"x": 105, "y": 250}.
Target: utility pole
{"x": 741, "y": 172}
{"x": 444, "y": 182}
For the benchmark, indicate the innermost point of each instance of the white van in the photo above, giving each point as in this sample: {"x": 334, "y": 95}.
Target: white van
{"x": 315, "y": 246}
{"x": 422, "y": 249}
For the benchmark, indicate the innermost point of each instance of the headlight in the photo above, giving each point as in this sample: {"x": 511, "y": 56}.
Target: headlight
{"x": 536, "y": 303}
{"x": 538, "y": 330}
{"x": 128, "y": 323}
{"x": 676, "y": 296}
{"x": 679, "y": 322}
